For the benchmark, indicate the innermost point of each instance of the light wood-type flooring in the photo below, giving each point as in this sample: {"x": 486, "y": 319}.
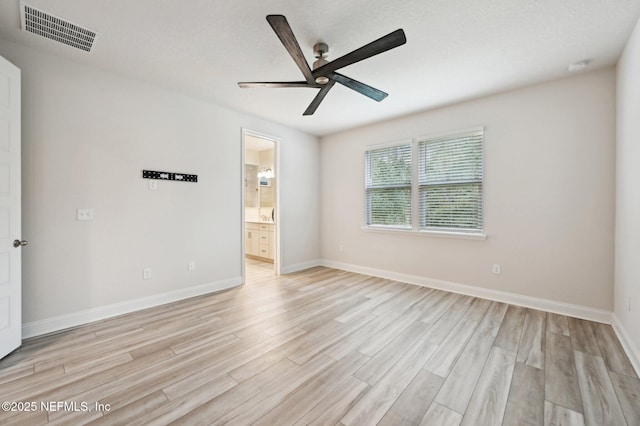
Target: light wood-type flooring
{"x": 326, "y": 347}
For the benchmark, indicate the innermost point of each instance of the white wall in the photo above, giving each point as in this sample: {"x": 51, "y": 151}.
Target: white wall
{"x": 87, "y": 136}
{"x": 627, "y": 242}
{"x": 549, "y": 195}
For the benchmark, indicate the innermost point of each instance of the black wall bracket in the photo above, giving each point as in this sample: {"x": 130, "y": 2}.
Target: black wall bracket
{"x": 180, "y": 177}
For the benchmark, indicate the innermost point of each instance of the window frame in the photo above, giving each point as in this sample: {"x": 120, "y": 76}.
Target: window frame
{"x": 367, "y": 213}
{"x": 453, "y": 137}
{"x": 415, "y": 229}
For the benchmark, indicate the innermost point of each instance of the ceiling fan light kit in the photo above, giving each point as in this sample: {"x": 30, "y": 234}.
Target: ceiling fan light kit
{"x": 323, "y": 75}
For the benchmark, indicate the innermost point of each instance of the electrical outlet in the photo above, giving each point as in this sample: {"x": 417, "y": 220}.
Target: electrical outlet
{"x": 192, "y": 266}
{"x": 153, "y": 184}
{"x": 146, "y": 274}
{"x": 497, "y": 269}
{"x": 341, "y": 247}
{"x": 84, "y": 214}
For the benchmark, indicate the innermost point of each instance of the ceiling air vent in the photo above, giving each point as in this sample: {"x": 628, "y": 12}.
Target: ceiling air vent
{"x": 41, "y": 23}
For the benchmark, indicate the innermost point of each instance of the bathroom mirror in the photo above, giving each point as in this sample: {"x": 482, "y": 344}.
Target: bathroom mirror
{"x": 266, "y": 196}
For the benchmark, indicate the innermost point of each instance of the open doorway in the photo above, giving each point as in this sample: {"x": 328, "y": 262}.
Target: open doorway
{"x": 261, "y": 227}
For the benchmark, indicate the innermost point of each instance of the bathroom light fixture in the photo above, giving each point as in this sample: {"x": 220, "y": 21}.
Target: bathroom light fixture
{"x": 265, "y": 173}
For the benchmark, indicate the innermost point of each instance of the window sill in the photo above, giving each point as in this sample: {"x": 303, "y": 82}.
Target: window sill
{"x": 441, "y": 234}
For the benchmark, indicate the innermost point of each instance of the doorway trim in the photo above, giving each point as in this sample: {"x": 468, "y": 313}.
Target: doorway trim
{"x": 277, "y": 259}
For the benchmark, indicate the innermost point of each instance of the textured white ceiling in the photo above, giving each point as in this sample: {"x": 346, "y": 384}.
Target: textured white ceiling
{"x": 456, "y": 49}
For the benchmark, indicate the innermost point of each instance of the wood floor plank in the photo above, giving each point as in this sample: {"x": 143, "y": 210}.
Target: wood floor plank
{"x": 411, "y": 406}
{"x": 447, "y": 353}
{"x": 439, "y": 415}
{"x": 233, "y": 358}
{"x": 260, "y": 363}
{"x": 29, "y": 418}
{"x": 315, "y": 344}
{"x": 489, "y": 399}
{"x": 612, "y": 352}
{"x": 97, "y": 363}
{"x": 531, "y": 347}
{"x": 511, "y": 330}
{"x": 299, "y": 403}
{"x": 426, "y": 304}
{"x": 556, "y": 415}
{"x": 132, "y": 411}
{"x": 375, "y": 324}
{"x": 364, "y": 308}
{"x": 43, "y": 382}
{"x": 457, "y": 389}
{"x": 601, "y": 406}
{"x": 284, "y": 342}
{"x": 561, "y": 378}
{"x": 384, "y": 360}
{"x": 320, "y": 319}
{"x": 123, "y": 384}
{"x": 181, "y": 406}
{"x": 332, "y": 408}
{"x": 226, "y": 402}
{"x": 42, "y": 348}
{"x": 628, "y": 392}
{"x": 260, "y": 404}
{"x": 525, "y": 405}
{"x": 402, "y": 301}
{"x": 583, "y": 338}
{"x": 490, "y": 324}
{"x": 385, "y": 336}
{"x": 301, "y": 316}
{"x": 19, "y": 372}
{"x": 375, "y": 403}
{"x": 431, "y": 315}
{"x": 155, "y": 344}
{"x": 385, "y": 286}
{"x": 557, "y": 323}
{"x": 441, "y": 329}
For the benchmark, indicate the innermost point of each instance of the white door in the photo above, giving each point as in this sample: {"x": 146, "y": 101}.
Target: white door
{"x": 10, "y": 224}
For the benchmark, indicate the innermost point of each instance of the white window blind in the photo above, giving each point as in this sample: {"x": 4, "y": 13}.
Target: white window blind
{"x": 450, "y": 183}
{"x": 388, "y": 186}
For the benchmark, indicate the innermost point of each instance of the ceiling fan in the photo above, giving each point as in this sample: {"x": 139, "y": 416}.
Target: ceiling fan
{"x": 324, "y": 75}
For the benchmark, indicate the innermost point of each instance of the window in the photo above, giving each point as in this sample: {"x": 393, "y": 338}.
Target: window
{"x": 450, "y": 179}
{"x": 446, "y": 189}
{"x": 388, "y": 186}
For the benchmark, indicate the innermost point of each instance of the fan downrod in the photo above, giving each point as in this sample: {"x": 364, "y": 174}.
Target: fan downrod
{"x": 320, "y": 51}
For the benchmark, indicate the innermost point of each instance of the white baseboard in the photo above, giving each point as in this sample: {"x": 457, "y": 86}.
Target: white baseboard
{"x": 301, "y": 266}
{"x": 633, "y": 352}
{"x": 61, "y": 322}
{"x": 568, "y": 309}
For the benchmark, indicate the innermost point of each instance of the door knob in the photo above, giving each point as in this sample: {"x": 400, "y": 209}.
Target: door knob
{"x": 19, "y": 243}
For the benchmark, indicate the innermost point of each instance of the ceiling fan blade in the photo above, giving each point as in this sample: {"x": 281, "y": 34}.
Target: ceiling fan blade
{"x": 364, "y": 89}
{"x": 319, "y": 97}
{"x": 285, "y": 34}
{"x": 388, "y": 42}
{"x": 249, "y": 84}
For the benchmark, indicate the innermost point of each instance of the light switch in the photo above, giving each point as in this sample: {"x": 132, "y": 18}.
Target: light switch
{"x": 85, "y": 214}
